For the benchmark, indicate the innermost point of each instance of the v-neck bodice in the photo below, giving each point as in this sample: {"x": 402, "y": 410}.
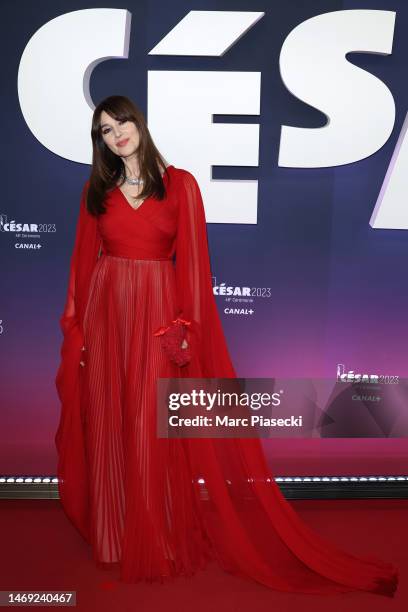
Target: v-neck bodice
{"x": 145, "y": 232}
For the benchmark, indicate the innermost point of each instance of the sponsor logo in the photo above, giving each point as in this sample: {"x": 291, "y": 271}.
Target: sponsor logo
{"x": 352, "y": 377}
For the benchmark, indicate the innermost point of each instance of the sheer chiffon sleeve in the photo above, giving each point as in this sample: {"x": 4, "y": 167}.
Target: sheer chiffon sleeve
{"x": 69, "y": 435}
{"x": 198, "y": 313}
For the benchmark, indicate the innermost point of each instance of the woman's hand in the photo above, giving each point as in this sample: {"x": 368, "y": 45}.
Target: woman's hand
{"x": 174, "y": 343}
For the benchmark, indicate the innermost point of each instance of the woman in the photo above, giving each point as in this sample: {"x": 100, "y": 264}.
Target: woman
{"x": 132, "y": 316}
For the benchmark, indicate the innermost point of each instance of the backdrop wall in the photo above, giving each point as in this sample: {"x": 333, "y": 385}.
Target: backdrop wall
{"x": 292, "y": 120}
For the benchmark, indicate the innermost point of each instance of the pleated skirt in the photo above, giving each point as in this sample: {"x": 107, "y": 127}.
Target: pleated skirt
{"x": 146, "y": 512}
{"x": 143, "y": 503}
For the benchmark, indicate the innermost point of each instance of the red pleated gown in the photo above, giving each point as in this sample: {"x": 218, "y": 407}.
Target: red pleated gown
{"x": 138, "y": 499}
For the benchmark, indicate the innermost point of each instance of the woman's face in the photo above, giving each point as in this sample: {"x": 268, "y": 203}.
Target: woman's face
{"x": 122, "y": 137}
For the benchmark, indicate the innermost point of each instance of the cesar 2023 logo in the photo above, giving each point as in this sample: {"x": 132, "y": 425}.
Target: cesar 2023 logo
{"x": 314, "y": 67}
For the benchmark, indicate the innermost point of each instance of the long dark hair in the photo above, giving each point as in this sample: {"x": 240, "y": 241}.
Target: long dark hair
{"x": 108, "y": 168}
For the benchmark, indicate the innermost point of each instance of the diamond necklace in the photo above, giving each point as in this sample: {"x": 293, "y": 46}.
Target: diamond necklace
{"x": 134, "y": 181}
{"x": 131, "y": 181}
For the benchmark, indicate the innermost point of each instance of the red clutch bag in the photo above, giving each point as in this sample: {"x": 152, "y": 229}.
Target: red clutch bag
{"x": 171, "y": 338}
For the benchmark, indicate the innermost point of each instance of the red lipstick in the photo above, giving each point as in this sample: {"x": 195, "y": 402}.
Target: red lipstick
{"x": 122, "y": 143}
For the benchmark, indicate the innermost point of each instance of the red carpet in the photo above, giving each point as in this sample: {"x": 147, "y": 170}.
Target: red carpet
{"x": 40, "y": 550}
